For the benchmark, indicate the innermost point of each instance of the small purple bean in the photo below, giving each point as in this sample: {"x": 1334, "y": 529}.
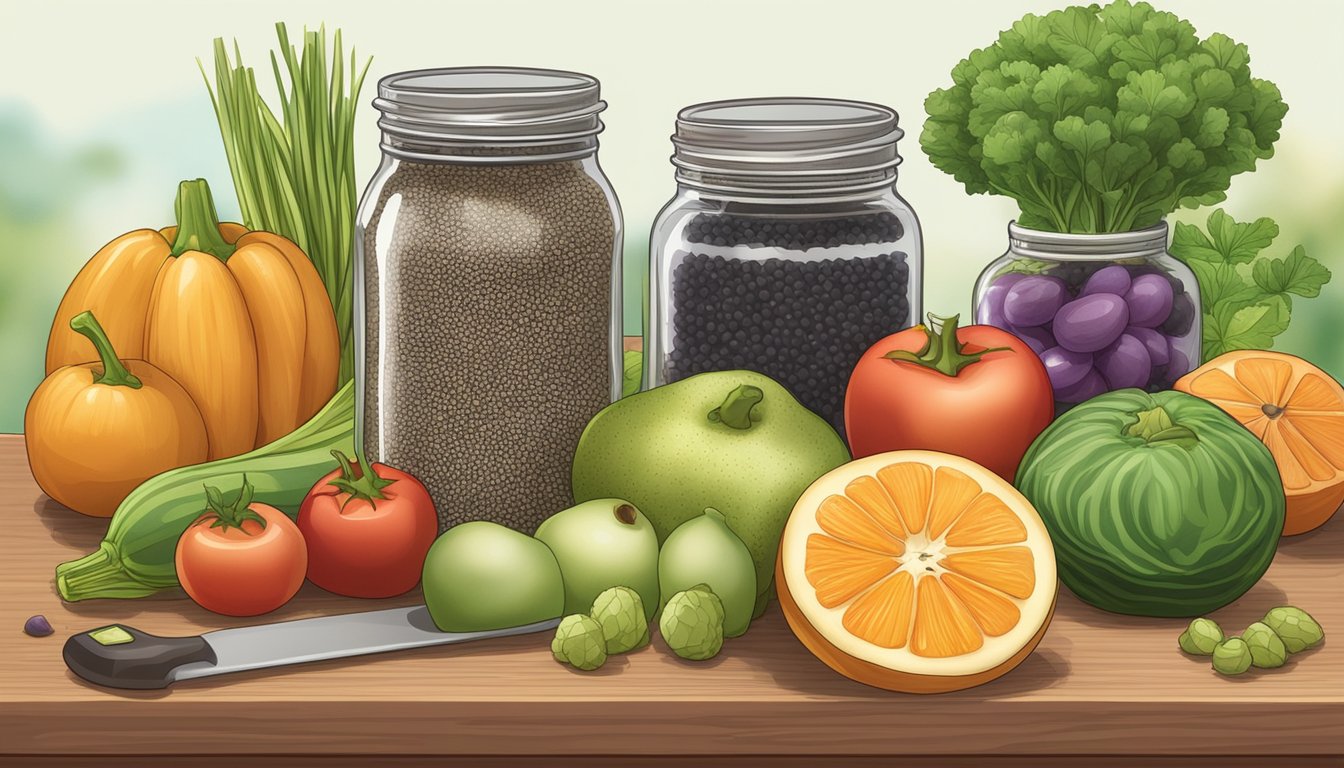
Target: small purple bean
{"x": 38, "y": 626}
{"x": 1064, "y": 367}
{"x": 1158, "y": 349}
{"x": 1087, "y": 388}
{"x": 1036, "y": 337}
{"x": 1149, "y": 298}
{"x": 1034, "y": 300}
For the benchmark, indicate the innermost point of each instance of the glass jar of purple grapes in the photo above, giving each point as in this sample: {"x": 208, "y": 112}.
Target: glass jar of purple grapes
{"x": 1104, "y": 311}
{"x": 786, "y": 250}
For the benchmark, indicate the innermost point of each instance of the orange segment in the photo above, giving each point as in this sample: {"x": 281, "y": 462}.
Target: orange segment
{"x": 869, "y": 494}
{"x": 1309, "y": 461}
{"x": 1217, "y": 385}
{"x": 882, "y": 615}
{"x": 910, "y": 485}
{"x": 839, "y": 571}
{"x": 1313, "y": 393}
{"x": 988, "y": 521}
{"x": 1265, "y": 378}
{"x": 994, "y": 613}
{"x": 1008, "y": 569}
{"x": 841, "y": 518}
{"x": 952, "y": 492}
{"x": 943, "y": 626}
{"x": 1297, "y": 411}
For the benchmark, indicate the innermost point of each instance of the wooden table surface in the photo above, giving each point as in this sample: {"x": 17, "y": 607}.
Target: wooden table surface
{"x": 1099, "y": 685}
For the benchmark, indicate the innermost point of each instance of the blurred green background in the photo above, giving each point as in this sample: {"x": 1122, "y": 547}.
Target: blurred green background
{"x": 100, "y": 121}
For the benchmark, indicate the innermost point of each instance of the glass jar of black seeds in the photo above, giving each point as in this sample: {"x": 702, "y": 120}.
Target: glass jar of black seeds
{"x": 786, "y": 251}
{"x": 487, "y": 258}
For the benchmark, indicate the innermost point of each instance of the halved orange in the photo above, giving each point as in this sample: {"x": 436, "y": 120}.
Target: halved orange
{"x": 1297, "y": 410}
{"x": 916, "y": 571}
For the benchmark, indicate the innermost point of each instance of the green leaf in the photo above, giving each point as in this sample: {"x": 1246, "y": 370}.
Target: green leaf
{"x": 1147, "y": 93}
{"x": 1222, "y": 283}
{"x": 1298, "y": 274}
{"x": 1226, "y": 52}
{"x": 1228, "y": 240}
{"x": 1249, "y": 327}
{"x": 1084, "y": 138}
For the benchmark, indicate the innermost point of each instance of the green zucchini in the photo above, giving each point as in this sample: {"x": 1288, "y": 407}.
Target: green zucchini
{"x": 136, "y": 557}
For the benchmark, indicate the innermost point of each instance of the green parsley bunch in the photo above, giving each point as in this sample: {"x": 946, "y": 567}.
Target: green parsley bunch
{"x": 1102, "y": 119}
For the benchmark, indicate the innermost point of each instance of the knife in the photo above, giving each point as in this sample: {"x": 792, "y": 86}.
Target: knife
{"x": 118, "y": 656}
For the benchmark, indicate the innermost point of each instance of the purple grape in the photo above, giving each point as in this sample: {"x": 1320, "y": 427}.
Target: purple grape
{"x": 1036, "y": 337}
{"x": 1158, "y": 351}
{"x": 990, "y": 311}
{"x": 1179, "y": 365}
{"x": 1091, "y": 323}
{"x": 1125, "y": 363}
{"x": 1034, "y": 300}
{"x": 1064, "y": 367}
{"x": 1091, "y": 385}
{"x": 1182, "y": 317}
{"x": 1149, "y": 298}
{"x": 1112, "y": 279}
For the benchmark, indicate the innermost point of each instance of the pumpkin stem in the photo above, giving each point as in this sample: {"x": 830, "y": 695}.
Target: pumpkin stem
{"x": 942, "y": 351}
{"x": 114, "y": 372}
{"x": 358, "y": 479}
{"x": 1155, "y": 427}
{"x": 736, "y": 411}
{"x": 198, "y": 222}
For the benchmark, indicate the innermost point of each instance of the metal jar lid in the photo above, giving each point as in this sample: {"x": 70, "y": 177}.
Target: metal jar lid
{"x": 489, "y": 114}
{"x": 794, "y": 146}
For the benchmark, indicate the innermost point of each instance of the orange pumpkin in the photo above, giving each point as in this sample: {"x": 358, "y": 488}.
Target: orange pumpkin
{"x": 239, "y": 318}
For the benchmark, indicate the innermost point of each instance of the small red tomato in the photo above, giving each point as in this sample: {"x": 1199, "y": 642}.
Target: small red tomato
{"x": 368, "y": 529}
{"x": 242, "y": 558}
{"x": 977, "y": 392}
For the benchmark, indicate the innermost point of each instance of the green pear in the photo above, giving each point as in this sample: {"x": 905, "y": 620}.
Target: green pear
{"x": 482, "y": 575}
{"x": 602, "y": 544}
{"x": 733, "y": 440}
{"x": 703, "y": 550}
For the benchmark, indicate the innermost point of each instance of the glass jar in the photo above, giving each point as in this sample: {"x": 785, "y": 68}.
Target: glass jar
{"x": 487, "y": 258}
{"x": 786, "y": 250}
{"x": 1104, "y": 311}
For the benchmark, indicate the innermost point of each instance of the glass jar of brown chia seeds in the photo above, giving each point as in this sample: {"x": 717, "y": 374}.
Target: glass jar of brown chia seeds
{"x": 786, "y": 250}
{"x": 487, "y": 258}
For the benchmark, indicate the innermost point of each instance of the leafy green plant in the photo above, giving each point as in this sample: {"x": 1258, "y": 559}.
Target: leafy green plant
{"x": 1102, "y": 119}
{"x": 296, "y": 178}
{"x": 1247, "y": 296}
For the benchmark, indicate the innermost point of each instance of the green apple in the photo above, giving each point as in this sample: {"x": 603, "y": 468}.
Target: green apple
{"x": 482, "y": 575}
{"x": 601, "y": 544}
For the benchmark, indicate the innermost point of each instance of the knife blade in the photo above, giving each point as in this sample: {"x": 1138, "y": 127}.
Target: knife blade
{"x": 118, "y": 656}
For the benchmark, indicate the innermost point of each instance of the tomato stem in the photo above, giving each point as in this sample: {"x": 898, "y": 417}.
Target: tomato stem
{"x": 114, "y": 372}
{"x": 230, "y": 514}
{"x": 736, "y": 410}
{"x": 198, "y": 222}
{"x": 942, "y": 351}
{"x": 358, "y": 479}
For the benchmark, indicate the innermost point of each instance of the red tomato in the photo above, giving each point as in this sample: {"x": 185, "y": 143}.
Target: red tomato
{"x": 241, "y": 559}
{"x": 947, "y": 393}
{"x": 367, "y": 533}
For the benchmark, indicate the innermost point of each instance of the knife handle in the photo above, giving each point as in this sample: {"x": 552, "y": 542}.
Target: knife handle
{"x": 118, "y": 656}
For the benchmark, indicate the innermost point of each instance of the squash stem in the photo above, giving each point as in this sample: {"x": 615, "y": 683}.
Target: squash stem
{"x": 198, "y": 222}
{"x": 942, "y": 351}
{"x": 114, "y": 372}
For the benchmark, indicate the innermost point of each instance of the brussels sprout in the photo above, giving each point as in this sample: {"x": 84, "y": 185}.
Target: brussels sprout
{"x": 620, "y": 613}
{"x": 1267, "y": 650}
{"x": 1231, "y": 657}
{"x": 1295, "y": 627}
{"x": 579, "y": 641}
{"x": 1201, "y": 637}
